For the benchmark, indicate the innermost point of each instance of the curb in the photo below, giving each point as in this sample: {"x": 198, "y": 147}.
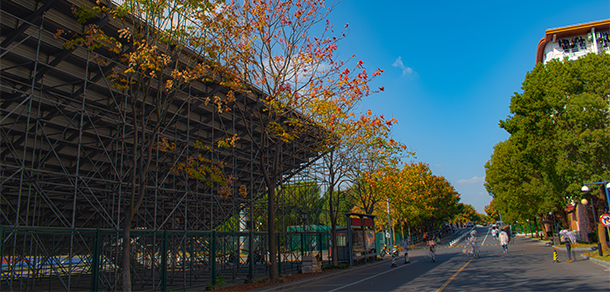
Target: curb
{"x": 599, "y": 262}
{"x": 575, "y": 248}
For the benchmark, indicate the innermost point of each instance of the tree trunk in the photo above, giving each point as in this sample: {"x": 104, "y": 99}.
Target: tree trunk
{"x": 273, "y": 271}
{"x": 271, "y": 181}
{"x": 126, "y": 265}
{"x": 601, "y": 236}
{"x": 334, "y": 248}
{"x": 333, "y": 224}
{"x": 536, "y": 225}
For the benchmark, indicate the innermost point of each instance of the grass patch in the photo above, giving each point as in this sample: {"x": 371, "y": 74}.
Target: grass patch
{"x": 579, "y": 245}
{"x": 585, "y": 244}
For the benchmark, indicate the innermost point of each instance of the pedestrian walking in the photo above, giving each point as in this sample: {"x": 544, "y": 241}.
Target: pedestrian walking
{"x": 569, "y": 250}
{"x": 431, "y": 250}
{"x": 504, "y": 241}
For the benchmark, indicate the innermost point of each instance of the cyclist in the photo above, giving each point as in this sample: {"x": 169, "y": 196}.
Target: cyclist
{"x": 472, "y": 241}
{"x": 431, "y": 247}
{"x": 405, "y": 247}
{"x": 384, "y": 251}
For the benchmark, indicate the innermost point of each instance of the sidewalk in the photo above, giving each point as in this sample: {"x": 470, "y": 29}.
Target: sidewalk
{"x": 574, "y": 249}
{"x": 599, "y": 262}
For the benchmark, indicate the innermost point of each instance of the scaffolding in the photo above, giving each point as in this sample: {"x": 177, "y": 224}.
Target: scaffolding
{"x": 65, "y": 165}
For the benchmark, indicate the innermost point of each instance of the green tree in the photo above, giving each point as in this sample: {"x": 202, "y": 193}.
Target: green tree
{"x": 466, "y": 213}
{"x": 560, "y": 137}
{"x": 492, "y": 212}
{"x": 425, "y": 201}
{"x": 517, "y": 189}
{"x": 302, "y": 198}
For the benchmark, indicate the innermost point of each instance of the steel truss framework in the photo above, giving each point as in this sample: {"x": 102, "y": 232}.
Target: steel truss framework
{"x": 64, "y": 164}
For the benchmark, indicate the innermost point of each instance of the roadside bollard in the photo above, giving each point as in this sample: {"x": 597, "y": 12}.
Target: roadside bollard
{"x": 407, "y": 257}
{"x": 555, "y": 257}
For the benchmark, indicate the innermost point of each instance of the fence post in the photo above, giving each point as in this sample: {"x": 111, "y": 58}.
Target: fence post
{"x": 302, "y": 248}
{"x": 213, "y": 257}
{"x": 95, "y": 261}
{"x": 164, "y": 262}
{"x": 320, "y": 244}
{"x": 279, "y": 253}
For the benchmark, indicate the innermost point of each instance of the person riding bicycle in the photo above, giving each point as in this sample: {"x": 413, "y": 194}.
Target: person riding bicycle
{"x": 405, "y": 247}
{"x": 473, "y": 240}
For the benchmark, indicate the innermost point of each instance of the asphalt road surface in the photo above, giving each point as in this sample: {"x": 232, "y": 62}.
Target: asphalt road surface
{"x": 528, "y": 266}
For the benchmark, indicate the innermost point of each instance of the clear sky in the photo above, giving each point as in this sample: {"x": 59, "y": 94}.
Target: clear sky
{"x": 451, "y": 68}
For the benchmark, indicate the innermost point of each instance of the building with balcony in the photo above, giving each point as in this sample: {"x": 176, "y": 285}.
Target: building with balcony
{"x": 574, "y": 41}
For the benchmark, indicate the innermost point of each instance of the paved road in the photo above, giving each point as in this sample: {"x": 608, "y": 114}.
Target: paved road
{"x": 528, "y": 266}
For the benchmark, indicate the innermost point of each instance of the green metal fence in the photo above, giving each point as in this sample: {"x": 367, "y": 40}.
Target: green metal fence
{"x": 44, "y": 259}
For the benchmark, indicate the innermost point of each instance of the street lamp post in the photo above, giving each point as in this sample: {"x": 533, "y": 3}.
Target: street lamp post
{"x": 586, "y": 189}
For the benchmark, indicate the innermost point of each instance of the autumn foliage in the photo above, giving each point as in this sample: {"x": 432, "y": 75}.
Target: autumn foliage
{"x": 285, "y": 55}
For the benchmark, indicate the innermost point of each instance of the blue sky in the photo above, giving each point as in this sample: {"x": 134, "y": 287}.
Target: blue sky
{"x": 451, "y": 68}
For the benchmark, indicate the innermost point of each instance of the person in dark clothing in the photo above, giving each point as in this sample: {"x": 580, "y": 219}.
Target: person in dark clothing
{"x": 569, "y": 250}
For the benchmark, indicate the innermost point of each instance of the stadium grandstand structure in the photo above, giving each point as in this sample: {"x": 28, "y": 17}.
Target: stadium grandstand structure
{"x": 65, "y": 162}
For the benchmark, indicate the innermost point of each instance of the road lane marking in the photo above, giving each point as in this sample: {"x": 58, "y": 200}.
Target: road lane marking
{"x": 486, "y": 234}
{"x": 373, "y": 276}
{"x": 453, "y": 277}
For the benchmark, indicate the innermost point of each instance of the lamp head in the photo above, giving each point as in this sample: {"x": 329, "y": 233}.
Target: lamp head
{"x": 584, "y": 201}
{"x": 585, "y": 189}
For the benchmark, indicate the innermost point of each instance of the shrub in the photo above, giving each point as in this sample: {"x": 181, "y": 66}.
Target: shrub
{"x": 333, "y": 267}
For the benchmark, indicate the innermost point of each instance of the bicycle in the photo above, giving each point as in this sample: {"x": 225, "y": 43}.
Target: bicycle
{"x": 386, "y": 251}
{"x": 473, "y": 250}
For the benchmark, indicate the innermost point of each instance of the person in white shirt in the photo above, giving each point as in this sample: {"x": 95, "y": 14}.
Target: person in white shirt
{"x": 504, "y": 241}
